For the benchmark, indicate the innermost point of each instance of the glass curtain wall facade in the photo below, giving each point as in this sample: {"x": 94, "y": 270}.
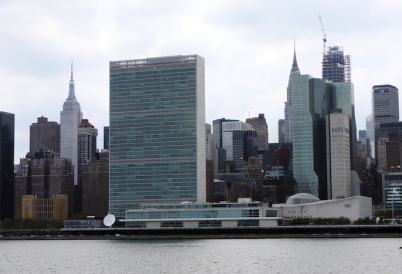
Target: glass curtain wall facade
{"x": 157, "y": 131}
{"x": 7, "y": 126}
{"x": 311, "y": 99}
{"x": 392, "y": 191}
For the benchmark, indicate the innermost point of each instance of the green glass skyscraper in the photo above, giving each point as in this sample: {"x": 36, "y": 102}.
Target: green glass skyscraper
{"x": 311, "y": 100}
{"x": 157, "y": 131}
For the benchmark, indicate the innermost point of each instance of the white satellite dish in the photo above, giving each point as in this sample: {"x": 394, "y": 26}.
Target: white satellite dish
{"x": 109, "y": 220}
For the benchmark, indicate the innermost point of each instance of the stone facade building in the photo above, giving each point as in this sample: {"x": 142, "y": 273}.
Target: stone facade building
{"x": 44, "y": 135}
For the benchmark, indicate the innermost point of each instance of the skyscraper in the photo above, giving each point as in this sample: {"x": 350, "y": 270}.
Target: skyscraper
{"x": 310, "y": 105}
{"x": 343, "y": 98}
{"x": 288, "y": 104}
{"x": 7, "y": 125}
{"x": 217, "y": 129}
{"x": 70, "y": 118}
{"x": 388, "y": 133}
{"x": 157, "y": 131}
{"x": 44, "y": 175}
{"x": 385, "y": 108}
{"x": 385, "y": 104}
{"x": 210, "y": 147}
{"x": 259, "y": 124}
{"x": 228, "y": 137}
{"x": 336, "y": 65}
{"x": 95, "y": 185}
{"x": 370, "y": 134}
{"x": 281, "y": 131}
{"x": 338, "y": 155}
{"x": 313, "y": 100}
{"x": 87, "y": 134}
{"x": 44, "y": 135}
{"x": 106, "y": 137}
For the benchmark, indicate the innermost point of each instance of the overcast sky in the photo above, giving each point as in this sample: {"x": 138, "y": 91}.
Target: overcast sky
{"x": 247, "y": 46}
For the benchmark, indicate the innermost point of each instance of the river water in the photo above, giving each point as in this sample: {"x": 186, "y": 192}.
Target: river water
{"x": 202, "y": 256}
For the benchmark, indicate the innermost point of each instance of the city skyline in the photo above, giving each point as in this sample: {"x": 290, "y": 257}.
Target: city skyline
{"x": 248, "y": 50}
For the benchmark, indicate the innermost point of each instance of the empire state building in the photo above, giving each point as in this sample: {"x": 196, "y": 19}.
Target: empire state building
{"x": 70, "y": 119}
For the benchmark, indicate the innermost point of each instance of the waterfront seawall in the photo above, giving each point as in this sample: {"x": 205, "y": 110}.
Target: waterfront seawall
{"x": 308, "y": 231}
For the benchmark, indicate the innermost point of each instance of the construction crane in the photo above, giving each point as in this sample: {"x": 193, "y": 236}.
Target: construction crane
{"x": 324, "y": 39}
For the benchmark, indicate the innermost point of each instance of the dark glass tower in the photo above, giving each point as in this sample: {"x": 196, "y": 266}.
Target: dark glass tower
{"x": 7, "y": 123}
{"x": 106, "y": 137}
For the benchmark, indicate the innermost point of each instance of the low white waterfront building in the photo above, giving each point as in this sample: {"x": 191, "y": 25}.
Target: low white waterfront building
{"x": 307, "y": 206}
{"x": 196, "y": 215}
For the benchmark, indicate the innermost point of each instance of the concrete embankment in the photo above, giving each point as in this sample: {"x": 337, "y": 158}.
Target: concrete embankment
{"x": 199, "y": 237}
{"x": 310, "y": 231}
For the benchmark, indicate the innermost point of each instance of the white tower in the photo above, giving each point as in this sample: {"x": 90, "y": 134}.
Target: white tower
{"x": 70, "y": 119}
{"x": 339, "y": 178}
{"x": 288, "y": 105}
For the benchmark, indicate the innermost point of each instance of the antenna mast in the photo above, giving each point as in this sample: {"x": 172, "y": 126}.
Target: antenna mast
{"x": 324, "y": 39}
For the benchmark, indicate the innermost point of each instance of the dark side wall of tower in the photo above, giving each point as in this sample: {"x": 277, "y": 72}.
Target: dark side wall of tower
{"x": 7, "y": 122}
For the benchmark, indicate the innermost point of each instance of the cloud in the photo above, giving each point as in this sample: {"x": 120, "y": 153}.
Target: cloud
{"x": 247, "y": 46}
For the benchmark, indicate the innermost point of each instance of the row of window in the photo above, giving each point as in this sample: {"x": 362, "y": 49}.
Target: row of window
{"x": 182, "y": 214}
{"x": 212, "y": 223}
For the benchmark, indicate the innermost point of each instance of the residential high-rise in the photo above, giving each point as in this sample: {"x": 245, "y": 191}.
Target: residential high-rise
{"x": 7, "y": 125}
{"x": 259, "y": 125}
{"x": 338, "y": 155}
{"x": 336, "y": 65}
{"x": 157, "y": 131}
{"x": 288, "y": 104}
{"x": 44, "y": 175}
{"x": 281, "y": 131}
{"x": 95, "y": 185}
{"x": 87, "y": 134}
{"x": 44, "y": 135}
{"x": 70, "y": 118}
{"x": 106, "y": 137}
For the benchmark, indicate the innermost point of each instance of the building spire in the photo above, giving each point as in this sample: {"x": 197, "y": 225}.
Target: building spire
{"x": 295, "y": 67}
{"x": 71, "y": 92}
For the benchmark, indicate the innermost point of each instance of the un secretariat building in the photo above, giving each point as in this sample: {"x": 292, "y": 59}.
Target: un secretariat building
{"x": 157, "y": 132}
